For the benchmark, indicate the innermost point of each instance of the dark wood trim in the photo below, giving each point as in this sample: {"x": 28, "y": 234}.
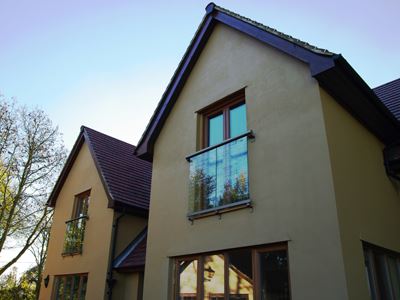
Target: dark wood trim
{"x": 223, "y": 107}
{"x": 78, "y": 198}
{"x": 255, "y": 254}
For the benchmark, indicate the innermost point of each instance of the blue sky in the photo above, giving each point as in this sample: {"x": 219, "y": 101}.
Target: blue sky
{"x": 105, "y": 64}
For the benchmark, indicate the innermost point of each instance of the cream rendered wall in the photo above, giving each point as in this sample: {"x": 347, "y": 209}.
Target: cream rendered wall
{"x": 367, "y": 201}
{"x": 128, "y": 229}
{"x": 96, "y": 247}
{"x": 291, "y": 182}
{"x": 127, "y": 286}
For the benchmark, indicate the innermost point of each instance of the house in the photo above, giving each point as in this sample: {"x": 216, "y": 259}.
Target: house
{"x": 100, "y": 203}
{"x": 272, "y": 159}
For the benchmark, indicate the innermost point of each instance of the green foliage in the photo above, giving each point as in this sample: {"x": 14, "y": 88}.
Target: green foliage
{"x": 235, "y": 193}
{"x": 201, "y": 187}
{"x": 17, "y": 289}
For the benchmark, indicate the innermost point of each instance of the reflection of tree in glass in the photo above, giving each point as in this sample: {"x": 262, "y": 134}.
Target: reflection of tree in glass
{"x": 236, "y": 192}
{"x": 74, "y": 236}
{"x": 202, "y": 186}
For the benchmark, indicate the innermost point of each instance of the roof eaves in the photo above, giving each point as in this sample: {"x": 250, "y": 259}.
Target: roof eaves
{"x": 129, "y": 249}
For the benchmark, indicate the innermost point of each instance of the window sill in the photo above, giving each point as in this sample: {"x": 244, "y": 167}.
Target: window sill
{"x": 218, "y": 211}
{"x": 64, "y": 254}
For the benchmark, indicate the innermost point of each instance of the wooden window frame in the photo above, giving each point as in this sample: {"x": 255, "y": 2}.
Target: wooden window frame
{"x": 63, "y": 277}
{"x": 372, "y": 252}
{"x": 80, "y": 197}
{"x": 223, "y": 107}
{"x": 255, "y": 260}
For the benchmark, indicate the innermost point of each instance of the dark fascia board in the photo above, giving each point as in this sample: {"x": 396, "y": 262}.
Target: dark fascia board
{"x": 83, "y": 136}
{"x": 317, "y": 62}
{"x": 65, "y": 171}
{"x": 128, "y": 249}
{"x": 111, "y": 201}
{"x": 328, "y": 69}
{"x": 344, "y": 84}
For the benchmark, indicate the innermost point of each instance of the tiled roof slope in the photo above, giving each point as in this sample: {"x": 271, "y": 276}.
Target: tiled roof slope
{"x": 389, "y": 94}
{"x": 127, "y": 177}
{"x": 133, "y": 257}
{"x": 275, "y": 32}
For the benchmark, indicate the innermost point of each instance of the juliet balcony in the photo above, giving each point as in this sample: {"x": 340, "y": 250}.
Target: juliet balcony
{"x": 74, "y": 235}
{"x": 218, "y": 179}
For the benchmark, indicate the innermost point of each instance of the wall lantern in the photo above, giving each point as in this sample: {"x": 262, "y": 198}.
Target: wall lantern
{"x": 46, "y": 281}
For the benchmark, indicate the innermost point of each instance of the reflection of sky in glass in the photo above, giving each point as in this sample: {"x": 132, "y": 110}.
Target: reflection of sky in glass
{"x": 237, "y": 120}
{"x": 215, "y": 130}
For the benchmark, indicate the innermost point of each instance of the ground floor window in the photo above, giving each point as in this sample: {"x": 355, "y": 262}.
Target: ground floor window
{"x": 70, "y": 287}
{"x": 240, "y": 274}
{"x": 383, "y": 272}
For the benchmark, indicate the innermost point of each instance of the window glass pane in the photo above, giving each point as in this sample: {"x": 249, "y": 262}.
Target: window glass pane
{"x": 214, "y": 277}
{"x": 369, "y": 261}
{"x": 240, "y": 275}
{"x": 202, "y": 181}
{"x": 237, "y": 120}
{"x": 59, "y": 283}
{"x": 82, "y": 204}
{"x": 188, "y": 279}
{"x": 215, "y": 130}
{"x": 382, "y": 273}
{"x": 394, "y": 277}
{"x": 68, "y": 286}
{"x": 231, "y": 170}
{"x": 75, "y": 287}
{"x": 83, "y": 287}
{"x": 274, "y": 276}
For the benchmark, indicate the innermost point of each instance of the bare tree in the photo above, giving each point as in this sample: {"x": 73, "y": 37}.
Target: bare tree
{"x": 31, "y": 155}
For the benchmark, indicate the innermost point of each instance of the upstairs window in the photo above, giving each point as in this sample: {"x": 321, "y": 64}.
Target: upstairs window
{"x": 224, "y": 120}
{"x": 73, "y": 242}
{"x": 219, "y": 172}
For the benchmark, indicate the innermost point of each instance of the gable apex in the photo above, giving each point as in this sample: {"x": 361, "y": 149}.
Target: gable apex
{"x": 125, "y": 177}
{"x": 331, "y": 70}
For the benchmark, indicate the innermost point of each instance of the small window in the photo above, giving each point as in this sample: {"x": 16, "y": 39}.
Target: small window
{"x": 383, "y": 272}
{"x": 71, "y": 286}
{"x": 75, "y": 231}
{"x": 81, "y": 205}
{"x": 231, "y": 275}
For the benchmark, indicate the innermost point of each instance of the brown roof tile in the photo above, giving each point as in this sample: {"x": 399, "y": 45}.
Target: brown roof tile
{"x": 126, "y": 178}
{"x": 389, "y": 94}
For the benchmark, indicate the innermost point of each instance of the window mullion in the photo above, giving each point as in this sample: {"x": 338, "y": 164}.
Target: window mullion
{"x": 226, "y": 123}
{"x": 256, "y": 274}
{"x": 226, "y": 276}
{"x": 200, "y": 278}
